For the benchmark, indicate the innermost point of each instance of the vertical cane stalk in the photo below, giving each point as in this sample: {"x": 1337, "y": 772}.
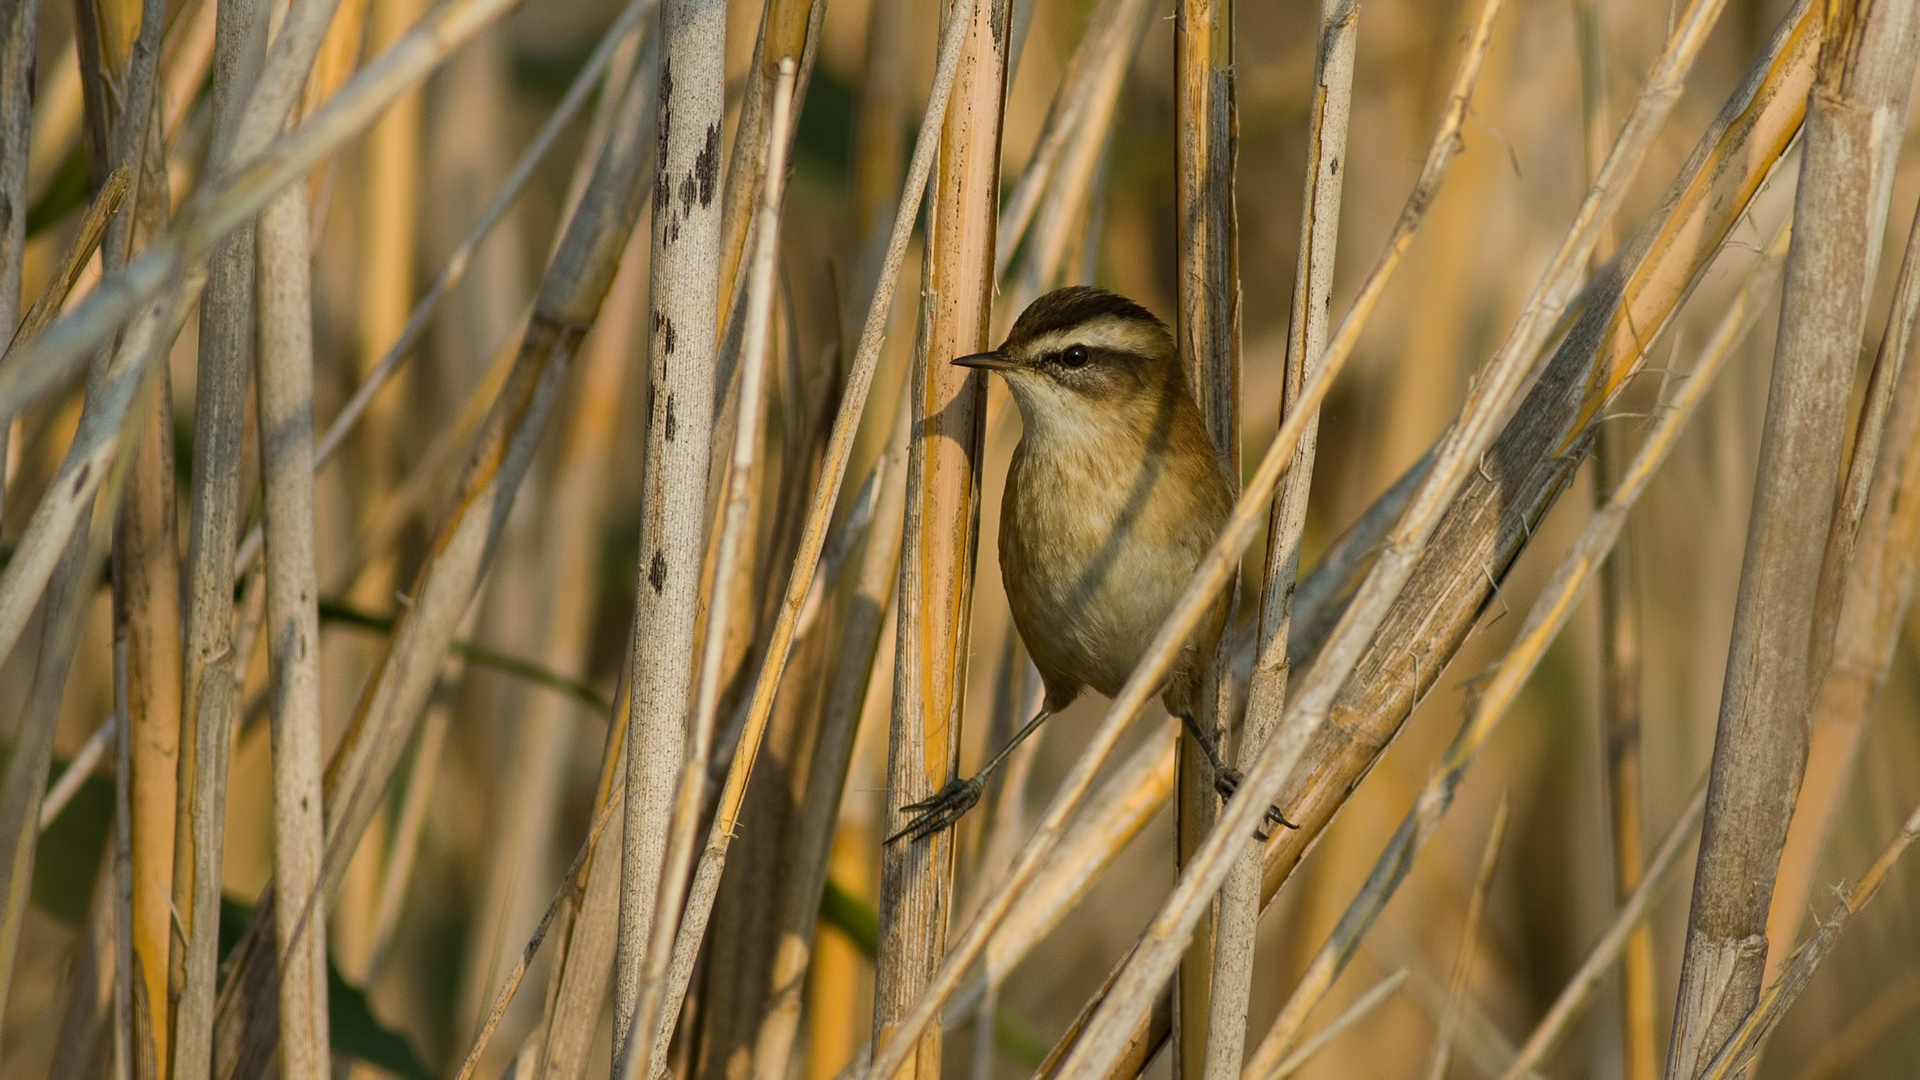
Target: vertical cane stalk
{"x": 1858, "y": 101}
{"x": 941, "y": 529}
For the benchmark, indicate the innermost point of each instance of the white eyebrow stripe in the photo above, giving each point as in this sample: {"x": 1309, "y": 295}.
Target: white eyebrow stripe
{"x": 1108, "y": 332}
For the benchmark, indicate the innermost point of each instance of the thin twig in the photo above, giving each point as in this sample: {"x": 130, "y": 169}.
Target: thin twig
{"x": 1461, "y": 985}
{"x": 1361, "y": 1006}
{"x": 1605, "y": 952}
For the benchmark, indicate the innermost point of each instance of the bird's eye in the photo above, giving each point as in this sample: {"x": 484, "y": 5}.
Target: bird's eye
{"x": 1075, "y": 356}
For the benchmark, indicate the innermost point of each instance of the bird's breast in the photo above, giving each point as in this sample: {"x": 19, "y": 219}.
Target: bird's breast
{"x": 1098, "y": 538}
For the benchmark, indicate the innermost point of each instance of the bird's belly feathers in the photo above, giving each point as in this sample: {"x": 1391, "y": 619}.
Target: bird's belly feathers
{"x": 1119, "y": 546}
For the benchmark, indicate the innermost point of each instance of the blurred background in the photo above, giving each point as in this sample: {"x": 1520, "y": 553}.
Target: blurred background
{"x": 498, "y": 790}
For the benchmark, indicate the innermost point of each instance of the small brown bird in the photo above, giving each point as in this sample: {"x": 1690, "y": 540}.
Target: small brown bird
{"x": 1113, "y": 497}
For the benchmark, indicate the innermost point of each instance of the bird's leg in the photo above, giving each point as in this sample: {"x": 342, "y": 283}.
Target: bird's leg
{"x": 945, "y": 807}
{"x": 1226, "y": 778}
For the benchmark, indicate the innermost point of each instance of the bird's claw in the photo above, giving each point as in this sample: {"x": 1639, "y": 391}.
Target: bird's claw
{"x": 1227, "y": 781}
{"x": 940, "y": 810}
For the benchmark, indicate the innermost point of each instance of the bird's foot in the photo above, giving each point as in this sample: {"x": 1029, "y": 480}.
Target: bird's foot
{"x": 940, "y": 810}
{"x": 1227, "y": 781}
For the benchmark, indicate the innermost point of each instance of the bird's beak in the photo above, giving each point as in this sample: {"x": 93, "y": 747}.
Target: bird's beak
{"x": 985, "y": 361}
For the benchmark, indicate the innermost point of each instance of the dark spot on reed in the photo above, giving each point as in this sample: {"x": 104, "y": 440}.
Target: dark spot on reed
{"x": 706, "y": 166}
{"x": 657, "y": 572}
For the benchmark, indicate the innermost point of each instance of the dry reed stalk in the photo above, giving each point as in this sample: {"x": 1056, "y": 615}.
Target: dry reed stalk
{"x": 940, "y": 534}
{"x": 1207, "y": 331}
{"x": 1361, "y": 1007}
{"x": 510, "y": 983}
{"x": 1612, "y": 944}
{"x": 1327, "y": 127}
{"x": 1018, "y": 694}
{"x": 284, "y": 381}
{"x": 1866, "y": 581}
{"x": 67, "y": 601}
{"x": 1214, "y": 569}
{"x": 388, "y": 223}
{"x": 208, "y": 693}
{"x": 879, "y": 136}
{"x": 1458, "y": 454}
{"x": 1117, "y": 813}
{"x": 389, "y": 241}
{"x": 57, "y": 113}
{"x": 684, "y": 268}
{"x": 1461, "y": 987}
{"x": 133, "y": 1055}
{"x": 1544, "y": 621}
{"x": 404, "y": 833}
{"x": 106, "y": 202}
{"x": 576, "y": 282}
{"x": 833, "y": 469}
{"x": 690, "y": 795}
{"x": 18, "y": 21}
{"x": 80, "y": 767}
{"x": 583, "y": 967}
{"x": 1890, "y": 1006}
{"x": 1620, "y": 616}
{"x": 81, "y": 1045}
{"x": 811, "y": 834}
{"x": 1751, "y": 1031}
{"x": 1047, "y": 208}
{"x": 146, "y": 589}
{"x": 788, "y": 28}
{"x": 1536, "y": 459}
{"x": 185, "y": 61}
{"x": 576, "y": 508}
{"x": 1858, "y": 102}
{"x": 232, "y": 198}
{"x": 40, "y": 543}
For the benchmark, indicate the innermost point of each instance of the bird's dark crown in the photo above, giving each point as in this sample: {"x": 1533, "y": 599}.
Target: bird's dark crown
{"x": 1074, "y": 306}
